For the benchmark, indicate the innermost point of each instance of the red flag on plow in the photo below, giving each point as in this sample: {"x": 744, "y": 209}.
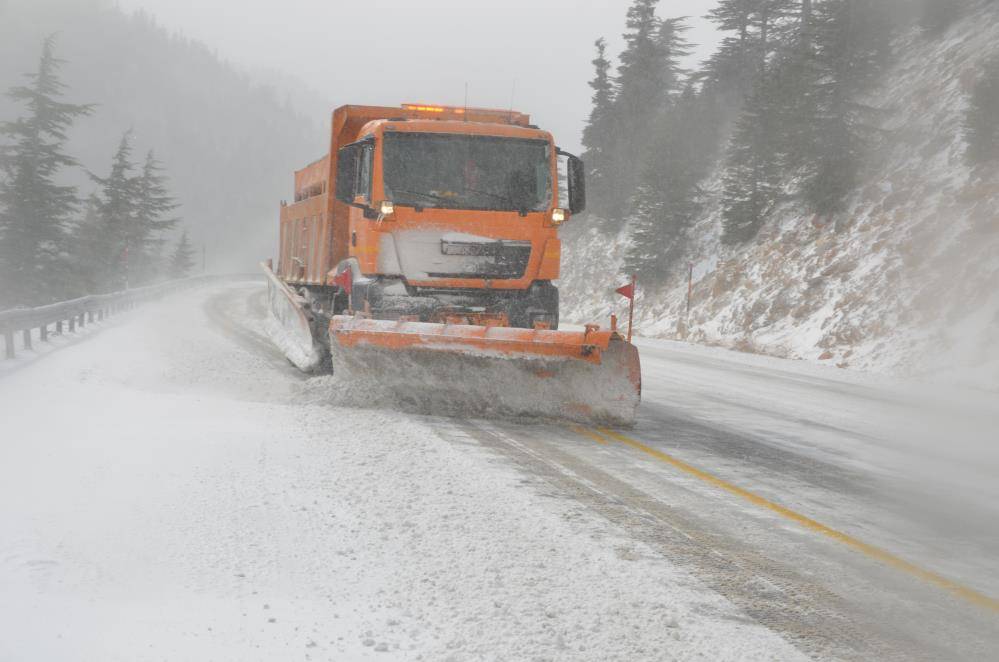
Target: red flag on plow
{"x": 628, "y": 291}
{"x": 345, "y": 281}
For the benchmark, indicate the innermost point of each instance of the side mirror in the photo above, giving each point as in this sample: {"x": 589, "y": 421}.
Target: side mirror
{"x": 346, "y": 173}
{"x": 572, "y": 183}
{"x": 577, "y": 185}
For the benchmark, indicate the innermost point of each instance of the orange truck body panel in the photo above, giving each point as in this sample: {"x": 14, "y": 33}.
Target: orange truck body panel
{"x": 318, "y": 232}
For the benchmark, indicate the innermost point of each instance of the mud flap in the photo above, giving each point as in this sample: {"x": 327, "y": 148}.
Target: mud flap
{"x": 290, "y": 324}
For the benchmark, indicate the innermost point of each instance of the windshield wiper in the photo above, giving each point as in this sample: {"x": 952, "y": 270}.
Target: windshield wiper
{"x": 497, "y": 196}
{"x": 505, "y": 199}
{"x": 432, "y": 196}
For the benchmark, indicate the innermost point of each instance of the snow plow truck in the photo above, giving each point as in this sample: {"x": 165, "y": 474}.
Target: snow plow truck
{"x": 421, "y": 251}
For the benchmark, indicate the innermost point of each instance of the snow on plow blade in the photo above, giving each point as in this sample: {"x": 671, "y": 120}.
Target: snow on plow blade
{"x": 460, "y": 369}
{"x": 290, "y": 325}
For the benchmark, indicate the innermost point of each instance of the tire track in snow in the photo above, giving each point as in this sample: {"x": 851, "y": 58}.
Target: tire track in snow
{"x": 220, "y": 309}
{"x": 803, "y": 611}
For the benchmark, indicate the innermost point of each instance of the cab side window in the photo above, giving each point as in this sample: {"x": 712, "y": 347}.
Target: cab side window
{"x": 364, "y": 172}
{"x": 354, "y": 166}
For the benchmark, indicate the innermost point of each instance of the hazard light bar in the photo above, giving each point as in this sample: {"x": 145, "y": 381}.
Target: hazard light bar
{"x": 434, "y": 109}
{"x": 470, "y": 114}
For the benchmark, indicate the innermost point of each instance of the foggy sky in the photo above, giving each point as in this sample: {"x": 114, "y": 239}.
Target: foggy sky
{"x": 395, "y": 51}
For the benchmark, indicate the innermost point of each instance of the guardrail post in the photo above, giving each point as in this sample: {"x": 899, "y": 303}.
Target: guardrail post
{"x": 79, "y": 312}
{"x": 8, "y": 341}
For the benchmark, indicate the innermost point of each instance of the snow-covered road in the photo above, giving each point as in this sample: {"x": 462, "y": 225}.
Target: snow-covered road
{"x": 171, "y": 489}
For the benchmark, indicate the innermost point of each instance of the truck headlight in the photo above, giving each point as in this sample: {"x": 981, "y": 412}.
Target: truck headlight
{"x": 387, "y": 208}
{"x": 558, "y": 216}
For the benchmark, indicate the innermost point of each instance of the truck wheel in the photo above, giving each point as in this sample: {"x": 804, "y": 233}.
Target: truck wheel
{"x": 539, "y": 304}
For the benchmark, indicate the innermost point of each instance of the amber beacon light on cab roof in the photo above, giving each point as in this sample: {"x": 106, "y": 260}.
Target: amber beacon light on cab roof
{"x": 423, "y": 248}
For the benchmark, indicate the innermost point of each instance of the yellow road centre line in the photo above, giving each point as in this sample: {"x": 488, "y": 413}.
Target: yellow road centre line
{"x": 877, "y": 553}
{"x": 587, "y": 432}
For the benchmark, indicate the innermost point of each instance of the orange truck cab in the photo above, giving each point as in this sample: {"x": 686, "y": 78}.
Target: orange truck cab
{"x": 426, "y": 212}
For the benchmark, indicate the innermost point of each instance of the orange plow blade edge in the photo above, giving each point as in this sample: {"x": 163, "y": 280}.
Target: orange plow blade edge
{"x": 462, "y": 369}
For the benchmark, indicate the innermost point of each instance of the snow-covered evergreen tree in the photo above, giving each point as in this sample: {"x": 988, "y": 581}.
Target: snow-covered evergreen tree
{"x": 642, "y": 86}
{"x": 753, "y": 171}
{"x": 182, "y": 258}
{"x": 117, "y": 214}
{"x": 598, "y": 134}
{"x": 852, "y": 41}
{"x": 87, "y": 247}
{"x": 153, "y": 216}
{"x": 758, "y": 27}
{"x": 131, "y": 211}
{"x": 669, "y": 194}
{"x": 34, "y": 209}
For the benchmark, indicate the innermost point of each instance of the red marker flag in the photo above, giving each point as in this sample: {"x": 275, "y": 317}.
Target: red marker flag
{"x": 627, "y": 291}
{"x": 344, "y": 280}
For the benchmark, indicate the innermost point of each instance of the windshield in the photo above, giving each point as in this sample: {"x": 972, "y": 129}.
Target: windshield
{"x": 467, "y": 172}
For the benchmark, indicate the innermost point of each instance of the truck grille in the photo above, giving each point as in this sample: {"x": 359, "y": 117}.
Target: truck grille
{"x": 492, "y": 259}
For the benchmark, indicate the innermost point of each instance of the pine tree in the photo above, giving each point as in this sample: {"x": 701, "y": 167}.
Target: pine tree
{"x": 182, "y": 259}
{"x": 673, "y": 47}
{"x": 34, "y": 209}
{"x": 640, "y": 75}
{"x": 768, "y": 15}
{"x": 649, "y": 69}
{"x": 851, "y": 49}
{"x": 153, "y": 207}
{"x": 753, "y": 171}
{"x": 644, "y": 257}
{"x": 981, "y": 123}
{"x": 798, "y": 77}
{"x": 87, "y": 248}
{"x": 117, "y": 213}
{"x": 598, "y": 134}
{"x": 734, "y": 16}
{"x": 668, "y": 197}
{"x": 758, "y": 26}
{"x": 649, "y": 77}
{"x": 641, "y": 91}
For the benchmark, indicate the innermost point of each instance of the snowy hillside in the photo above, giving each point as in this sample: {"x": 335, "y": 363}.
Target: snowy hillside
{"x": 904, "y": 282}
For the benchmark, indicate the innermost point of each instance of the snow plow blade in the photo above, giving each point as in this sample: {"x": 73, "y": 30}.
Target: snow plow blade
{"x": 463, "y": 369}
{"x": 290, "y": 323}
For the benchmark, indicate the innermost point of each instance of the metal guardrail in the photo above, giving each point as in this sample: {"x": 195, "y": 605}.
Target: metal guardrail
{"x": 85, "y": 310}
